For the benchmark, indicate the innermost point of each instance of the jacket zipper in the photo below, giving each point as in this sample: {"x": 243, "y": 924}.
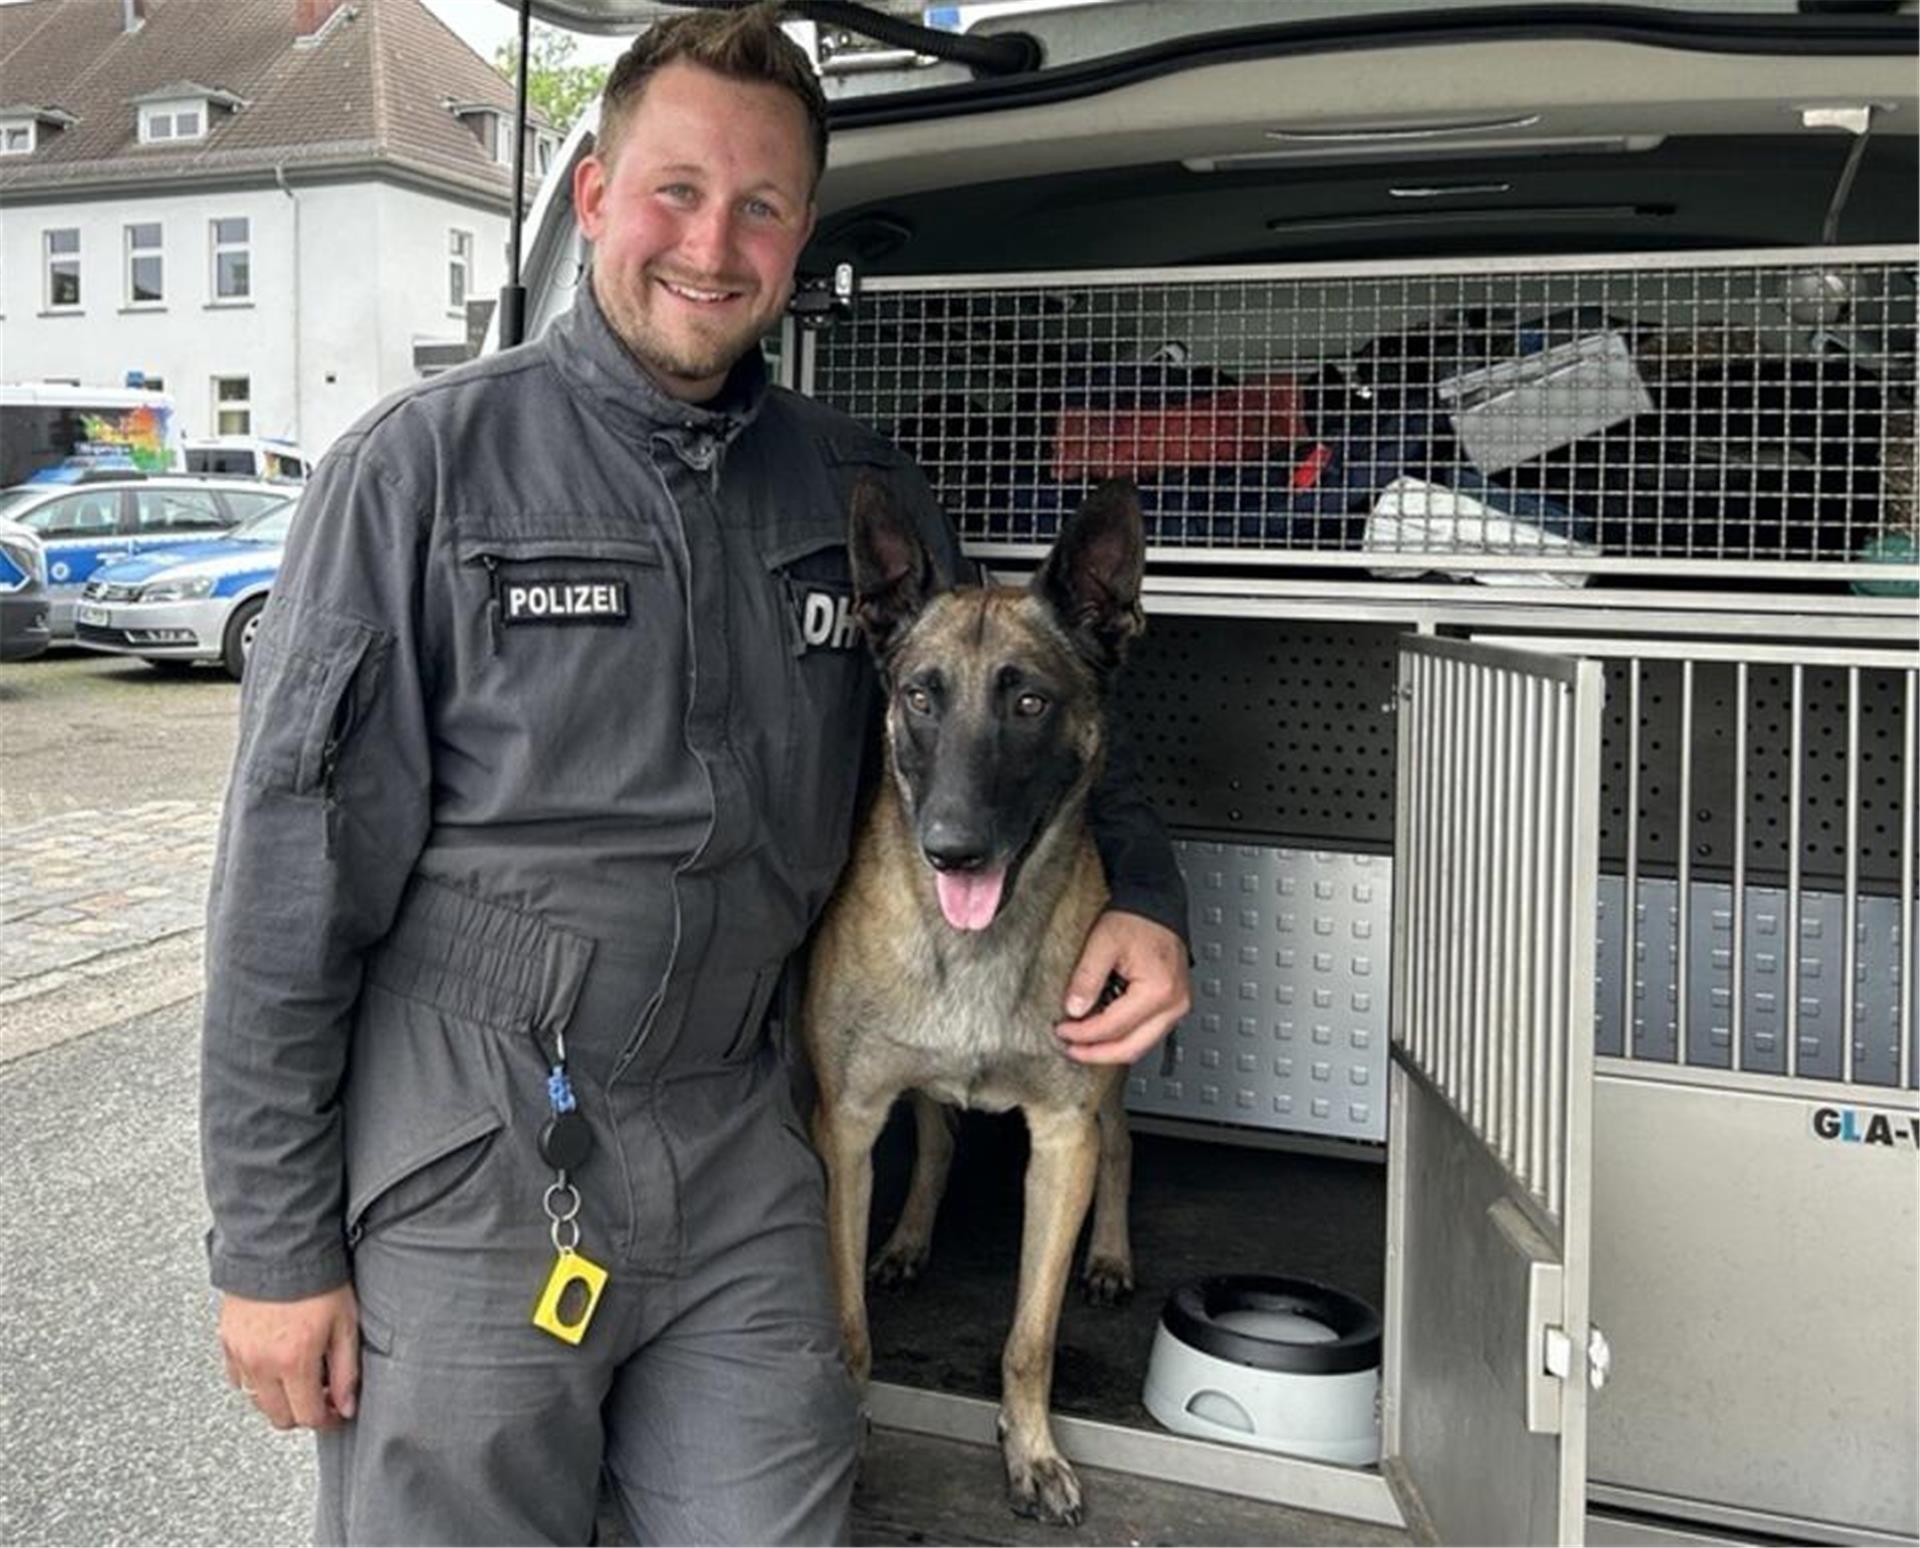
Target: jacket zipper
{"x": 494, "y": 615}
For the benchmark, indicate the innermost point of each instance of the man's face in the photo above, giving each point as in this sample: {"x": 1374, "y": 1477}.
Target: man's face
{"x": 698, "y": 222}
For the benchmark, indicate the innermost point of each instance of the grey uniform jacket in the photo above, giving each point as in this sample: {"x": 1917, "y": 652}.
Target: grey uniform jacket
{"x": 554, "y": 721}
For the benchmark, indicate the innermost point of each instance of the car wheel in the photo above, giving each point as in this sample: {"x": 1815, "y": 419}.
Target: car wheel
{"x": 242, "y": 629}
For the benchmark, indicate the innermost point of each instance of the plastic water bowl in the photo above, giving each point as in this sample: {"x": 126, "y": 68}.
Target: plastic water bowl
{"x": 1281, "y": 1364}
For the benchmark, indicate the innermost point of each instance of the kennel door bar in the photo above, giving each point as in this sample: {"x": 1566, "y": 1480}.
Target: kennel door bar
{"x": 1494, "y": 942}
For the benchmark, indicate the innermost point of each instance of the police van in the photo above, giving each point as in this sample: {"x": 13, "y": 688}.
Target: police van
{"x": 1523, "y": 404}
{"x": 59, "y": 433}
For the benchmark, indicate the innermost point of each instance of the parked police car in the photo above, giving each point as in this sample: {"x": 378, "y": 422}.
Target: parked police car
{"x": 23, "y": 594}
{"x": 173, "y": 607}
{"x": 85, "y": 526}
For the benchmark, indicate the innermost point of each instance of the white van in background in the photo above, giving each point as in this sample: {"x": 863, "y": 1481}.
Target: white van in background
{"x": 248, "y": 456}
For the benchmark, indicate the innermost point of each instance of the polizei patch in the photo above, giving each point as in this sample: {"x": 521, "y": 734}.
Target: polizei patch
{"x": 567, "y": 600}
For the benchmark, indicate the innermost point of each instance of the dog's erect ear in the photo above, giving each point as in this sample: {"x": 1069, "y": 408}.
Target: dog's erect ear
{"x": 1092, "y": 577}
{"x": 892, "y": 571}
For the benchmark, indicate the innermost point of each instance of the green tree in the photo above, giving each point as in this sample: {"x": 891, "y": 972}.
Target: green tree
{"x": 557, "y": 88}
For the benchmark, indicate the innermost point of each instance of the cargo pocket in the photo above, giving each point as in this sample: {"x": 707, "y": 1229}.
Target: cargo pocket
{"x": 796, "y": 1130}
{"x": 745, "y": 1042}
{"x": 311, "y": 674}
{"x": 444, "y": 1039}
{"x": 439, "y": 1171}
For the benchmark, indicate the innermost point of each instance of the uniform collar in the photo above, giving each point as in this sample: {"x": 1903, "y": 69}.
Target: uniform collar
{"x": 597, "y": 364}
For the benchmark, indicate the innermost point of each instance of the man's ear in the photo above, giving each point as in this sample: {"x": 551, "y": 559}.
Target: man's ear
{"x": 892, "y": 571}
{"x": 589, "y": 196}
{"x": 1091, "y": 579}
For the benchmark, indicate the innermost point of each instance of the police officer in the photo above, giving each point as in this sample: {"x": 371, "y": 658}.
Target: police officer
{"x": 546, "y": 765}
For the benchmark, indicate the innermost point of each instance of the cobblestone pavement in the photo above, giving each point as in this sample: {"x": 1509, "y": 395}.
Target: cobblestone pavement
{"x": 110, "y": 785}
{"x": 80, "y": 890}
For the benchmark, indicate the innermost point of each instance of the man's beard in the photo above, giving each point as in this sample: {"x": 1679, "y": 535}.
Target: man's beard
{"x": 693, "y": 357}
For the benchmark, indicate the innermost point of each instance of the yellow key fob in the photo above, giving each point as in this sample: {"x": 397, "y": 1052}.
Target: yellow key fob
{"x": 573, "y": 1291}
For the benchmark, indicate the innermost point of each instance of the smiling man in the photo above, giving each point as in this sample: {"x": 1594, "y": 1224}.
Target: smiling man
{"x": 549, "y": 753}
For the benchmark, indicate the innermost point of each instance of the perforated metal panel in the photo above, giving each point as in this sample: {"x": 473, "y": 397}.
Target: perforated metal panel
{"x": 1714, "y": 718}
{"x": 1290, "y": 1009}
{"x": 1275, "y": 730}
{"x": 1655, "y": 982}
{"x": 1548, "y": 418}
{"x": 1289, "y": 1024}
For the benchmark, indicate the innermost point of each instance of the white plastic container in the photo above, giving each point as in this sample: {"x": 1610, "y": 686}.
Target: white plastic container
{"x": 1281, "y": 1364}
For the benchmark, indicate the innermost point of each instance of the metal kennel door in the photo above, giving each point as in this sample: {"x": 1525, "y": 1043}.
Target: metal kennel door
{"x": 1495, "y": 867}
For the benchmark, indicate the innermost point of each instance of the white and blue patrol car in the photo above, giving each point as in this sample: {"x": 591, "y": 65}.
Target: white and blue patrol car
{"x": 201, "y": 602}
{"x": 23, "y": 593}
{"x": 86, "y": 526}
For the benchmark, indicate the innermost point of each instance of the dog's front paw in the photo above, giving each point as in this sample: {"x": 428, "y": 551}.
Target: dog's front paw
{"x": 1044, "y": 1488}
{"x": 1107, "y": 1281}
{"x": 898, "y": 1265}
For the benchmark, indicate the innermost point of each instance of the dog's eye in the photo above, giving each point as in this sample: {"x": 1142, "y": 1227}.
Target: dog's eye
{"x": 1029, "y": 705}
{"x": 919, "y": 701}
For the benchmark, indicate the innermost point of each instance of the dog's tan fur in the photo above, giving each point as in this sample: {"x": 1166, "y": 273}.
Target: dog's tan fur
{"x": 901, "y": 1002}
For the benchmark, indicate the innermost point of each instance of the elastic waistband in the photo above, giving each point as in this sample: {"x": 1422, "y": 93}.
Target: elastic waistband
{"x": 481, "y": 960}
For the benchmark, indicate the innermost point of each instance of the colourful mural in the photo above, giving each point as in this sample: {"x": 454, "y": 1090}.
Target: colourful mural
{"x": 139, "y": 434}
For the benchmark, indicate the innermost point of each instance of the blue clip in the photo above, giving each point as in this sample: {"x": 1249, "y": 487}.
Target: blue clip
{"x": 560, "y": 1090}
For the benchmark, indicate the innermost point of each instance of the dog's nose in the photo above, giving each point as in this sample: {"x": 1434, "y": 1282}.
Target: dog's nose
{"x": 950, "y": 848}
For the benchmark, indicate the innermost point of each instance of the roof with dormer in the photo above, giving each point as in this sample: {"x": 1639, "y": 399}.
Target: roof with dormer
{"x": 368, "y": 91}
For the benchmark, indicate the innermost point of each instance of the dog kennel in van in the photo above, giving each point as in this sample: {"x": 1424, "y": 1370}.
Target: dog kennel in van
{"x": 1530, "y": 678}
{"x": 1530, "y": 683}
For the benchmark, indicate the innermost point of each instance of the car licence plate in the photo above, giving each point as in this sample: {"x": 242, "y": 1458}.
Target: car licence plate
{"x": 87, "y": 614}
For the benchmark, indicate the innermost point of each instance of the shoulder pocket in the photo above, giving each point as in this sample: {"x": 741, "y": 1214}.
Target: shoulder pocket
{"x": 310, "y": 674}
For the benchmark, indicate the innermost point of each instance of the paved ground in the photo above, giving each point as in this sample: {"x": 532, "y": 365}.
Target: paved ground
{"x": 118, "y": 1427}
{"x": 110, "y": 780}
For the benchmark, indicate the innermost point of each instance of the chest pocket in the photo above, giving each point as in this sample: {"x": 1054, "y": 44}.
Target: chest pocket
{"x": 570, "y": 642}
{"x": 831, "y": 696}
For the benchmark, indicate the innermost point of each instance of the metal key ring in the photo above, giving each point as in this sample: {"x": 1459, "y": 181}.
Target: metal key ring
{"x": 560, "y": 1216}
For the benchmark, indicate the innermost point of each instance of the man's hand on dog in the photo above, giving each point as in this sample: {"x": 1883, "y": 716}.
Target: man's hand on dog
{"x": 1152, "y": 961}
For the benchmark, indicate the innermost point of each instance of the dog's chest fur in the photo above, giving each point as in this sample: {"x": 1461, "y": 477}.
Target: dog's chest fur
{"x": 898, "y": 1000}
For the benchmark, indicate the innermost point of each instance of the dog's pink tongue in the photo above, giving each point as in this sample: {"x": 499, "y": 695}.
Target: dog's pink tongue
{"x": 969, "y": 899}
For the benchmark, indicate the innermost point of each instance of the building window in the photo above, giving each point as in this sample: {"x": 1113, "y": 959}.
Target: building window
{"x": 146, "y": 268}
{"x": 172, "y": 121}
{"x": 63, "y": 270}
{"x": 459, "y": 269}
{"x": 16, "y": 137}
{"x": 232, "y": 259}
{"x": 232, "y": 405}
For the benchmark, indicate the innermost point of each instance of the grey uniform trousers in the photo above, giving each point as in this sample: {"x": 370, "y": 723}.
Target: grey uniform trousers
{"x": 709, "y": 1385}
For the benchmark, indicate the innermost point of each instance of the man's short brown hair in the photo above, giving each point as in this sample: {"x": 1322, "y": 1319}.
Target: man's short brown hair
{"x": 743, "y": 45}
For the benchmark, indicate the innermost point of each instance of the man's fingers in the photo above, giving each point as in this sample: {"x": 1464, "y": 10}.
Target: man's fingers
{"x": 270, "y": 1397}
{"x": 306, "y": 1395}
{"x": 288, "y": 1354}
{"x": 1125, "y": 1050}
{"x": 1111, "y": 1021}
{"x": 1090, "y": 974}
{"x": 343, "y": 1365}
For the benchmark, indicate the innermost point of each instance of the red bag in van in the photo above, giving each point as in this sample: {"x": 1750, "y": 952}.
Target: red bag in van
{"x": 1235, "y": 424}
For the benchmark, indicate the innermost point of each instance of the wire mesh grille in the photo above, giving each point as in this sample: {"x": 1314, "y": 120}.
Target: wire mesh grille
{"x": 1546, "y": 422}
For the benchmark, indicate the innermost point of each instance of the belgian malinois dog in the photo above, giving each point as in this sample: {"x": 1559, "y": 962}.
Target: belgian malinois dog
{"x": 943, "y": 958}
